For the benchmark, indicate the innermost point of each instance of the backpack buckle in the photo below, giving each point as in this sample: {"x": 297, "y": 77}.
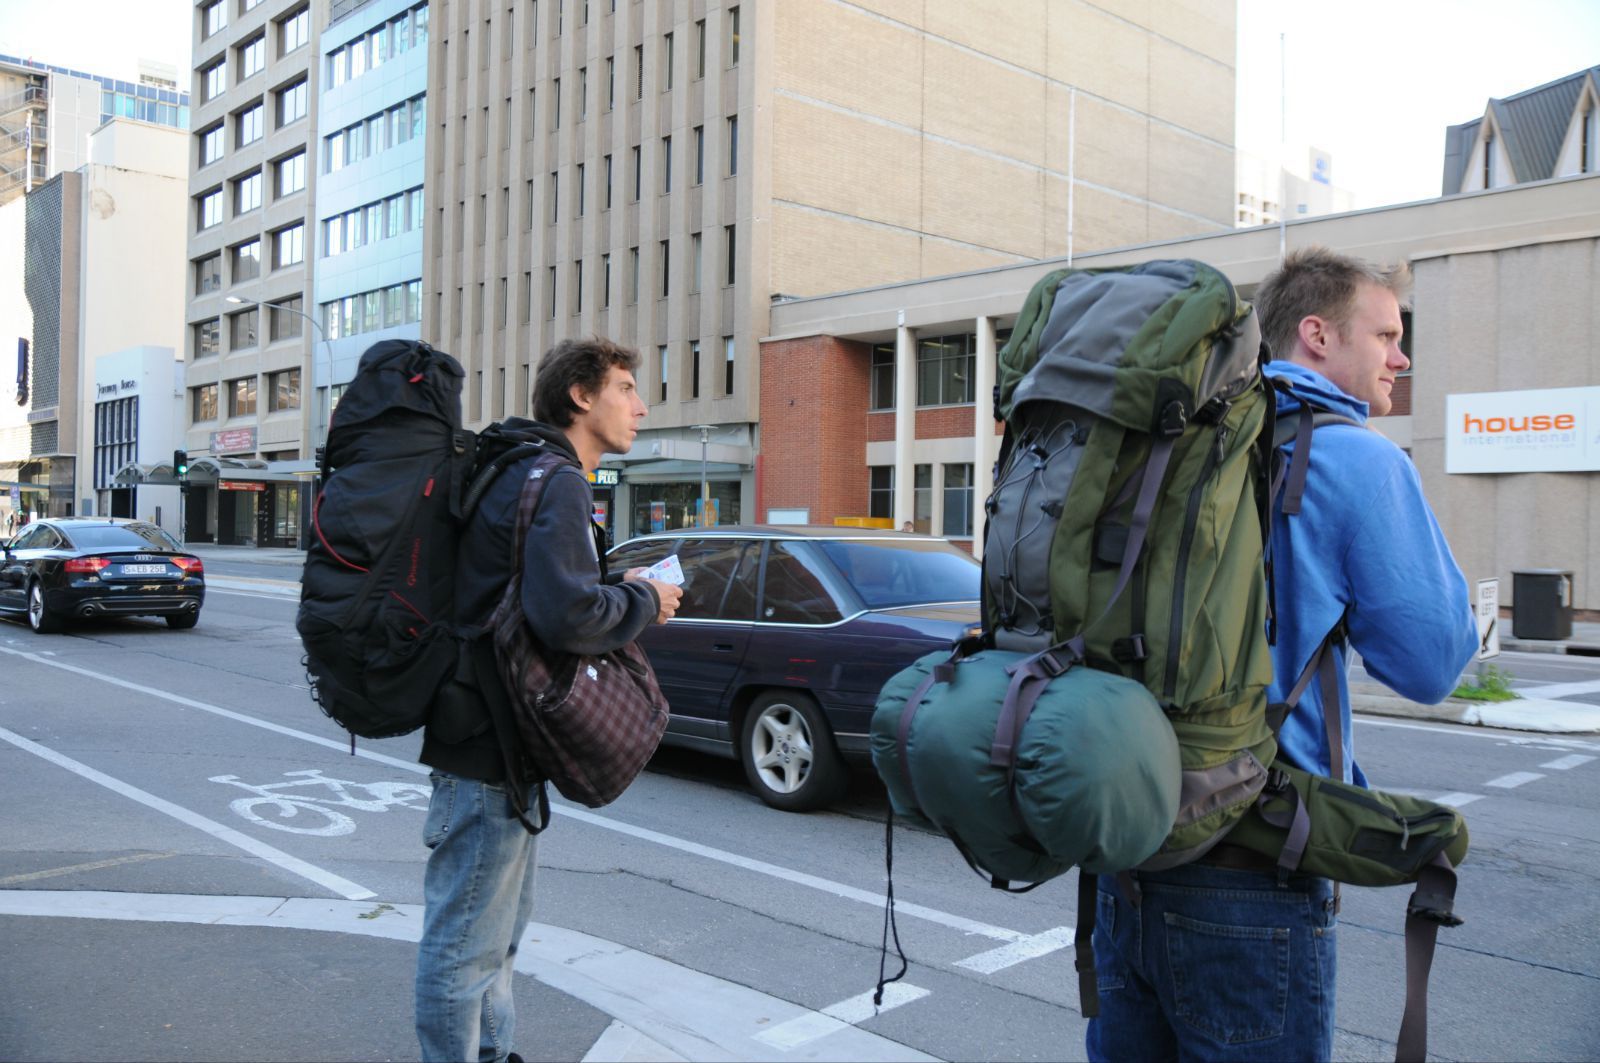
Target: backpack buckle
{"x": 1174, "y": 417}
{"x": 1130, "y": 650}
{"x": 1051, "y": 665}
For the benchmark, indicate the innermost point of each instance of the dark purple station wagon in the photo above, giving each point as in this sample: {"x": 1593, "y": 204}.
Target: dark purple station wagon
{"x": 785, "y": 635}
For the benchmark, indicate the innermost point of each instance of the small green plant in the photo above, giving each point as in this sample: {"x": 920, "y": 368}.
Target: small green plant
{"x": 1490, "y": 684}
{"x": 379, "y": 910}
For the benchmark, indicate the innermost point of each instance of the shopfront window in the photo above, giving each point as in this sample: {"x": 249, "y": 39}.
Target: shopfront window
{"x": 286, "y": 513}
{"x": 668, "y": 506}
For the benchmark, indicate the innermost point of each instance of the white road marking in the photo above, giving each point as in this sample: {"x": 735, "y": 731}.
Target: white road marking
{"x": 1457, "y": 800}
{"x": 293, "y": 864}
{"x": 691, "y": 1014}
{"x": 838, "y": 889}
{"x": 1560, "y": 690}
{"x": 253, "y": 594}
{"x": 1514, "y": 780}
{"x": 1564, "y": 763}
{"x": 1027, "y": 948}
{"x": 804, "y": 1029}
{"x": 620, "y": 1043}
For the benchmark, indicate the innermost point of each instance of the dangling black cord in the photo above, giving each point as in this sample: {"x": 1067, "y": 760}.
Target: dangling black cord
{"x": 889, "y": 925}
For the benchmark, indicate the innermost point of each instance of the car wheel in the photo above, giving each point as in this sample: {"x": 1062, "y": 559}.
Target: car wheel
{"x": 40, "y": 617}
{"x": 183, "y": 621}
{"x": 788, "y": 752}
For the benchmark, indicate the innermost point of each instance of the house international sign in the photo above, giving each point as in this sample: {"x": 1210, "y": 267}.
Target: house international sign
{"x": 1543, "y": 430}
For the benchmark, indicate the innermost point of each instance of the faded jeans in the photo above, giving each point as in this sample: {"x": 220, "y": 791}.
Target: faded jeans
{"x": 478, "y": 890}
{"x": 1214, "y": 964}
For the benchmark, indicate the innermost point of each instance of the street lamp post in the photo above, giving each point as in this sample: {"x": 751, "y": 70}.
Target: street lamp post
{"x": 327, "y": 348}
{"x": 705, "y": 492}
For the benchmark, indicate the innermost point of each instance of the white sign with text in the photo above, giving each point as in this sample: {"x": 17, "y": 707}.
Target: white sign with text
{"x": 1487, "y": 607}
{"x": 1542, "y": 430}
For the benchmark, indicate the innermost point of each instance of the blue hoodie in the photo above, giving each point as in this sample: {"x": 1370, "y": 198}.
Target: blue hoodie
{"x": 1365, "y": 546}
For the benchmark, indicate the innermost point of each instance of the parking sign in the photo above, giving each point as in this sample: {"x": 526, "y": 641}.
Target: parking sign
{"x": 1487, "y": 607}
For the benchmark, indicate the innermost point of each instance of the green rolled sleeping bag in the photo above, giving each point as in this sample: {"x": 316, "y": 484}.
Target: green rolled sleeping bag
{"x": 1093, "y": 780}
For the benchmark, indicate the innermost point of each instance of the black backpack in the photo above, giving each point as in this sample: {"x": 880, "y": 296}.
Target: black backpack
{"x": 400, "y": 478}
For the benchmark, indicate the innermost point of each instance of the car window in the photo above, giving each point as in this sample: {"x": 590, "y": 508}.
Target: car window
{"x": 889, "y": 573}
{"x": 29, "y": 539}
{"x": 122, "y": 537}
{"x": 794, "y": 593}
{"x": 641, "y": 554}
{"x": 719, "y": 578}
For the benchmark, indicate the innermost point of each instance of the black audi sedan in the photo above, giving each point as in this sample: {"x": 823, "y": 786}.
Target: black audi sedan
{"x": 785, "y": 635}
{"x": 62, "y": 568}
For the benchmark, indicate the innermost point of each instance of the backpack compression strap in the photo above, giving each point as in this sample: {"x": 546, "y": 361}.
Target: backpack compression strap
{"x": 1430, "y": 907}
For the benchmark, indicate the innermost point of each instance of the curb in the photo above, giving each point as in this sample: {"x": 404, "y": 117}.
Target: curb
{"x": 1522, "y": 714}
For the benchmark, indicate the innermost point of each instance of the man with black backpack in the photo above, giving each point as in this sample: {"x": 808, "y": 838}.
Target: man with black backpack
{"x": 479, "y": 882}
{"x": 1224, "y": 958}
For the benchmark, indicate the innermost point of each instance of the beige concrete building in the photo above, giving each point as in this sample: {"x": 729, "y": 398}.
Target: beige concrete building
{"x": 1504, "y": 327}
{"x": 660, "y": 171}
{"x": 251, "y": 236}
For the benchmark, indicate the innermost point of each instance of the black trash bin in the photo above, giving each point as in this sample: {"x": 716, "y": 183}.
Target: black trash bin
{"x": 1541, "y": 604}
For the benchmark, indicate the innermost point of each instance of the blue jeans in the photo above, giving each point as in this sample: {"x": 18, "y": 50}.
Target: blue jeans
{"x": 478, "y": 891}
{"x": 1214, "y": 964}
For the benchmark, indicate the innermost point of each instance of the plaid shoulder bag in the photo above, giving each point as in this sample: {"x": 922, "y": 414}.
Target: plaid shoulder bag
{"x": 587, "y": 723}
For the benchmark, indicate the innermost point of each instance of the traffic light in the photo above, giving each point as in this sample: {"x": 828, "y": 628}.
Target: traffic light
{"x": 180, "y": 463}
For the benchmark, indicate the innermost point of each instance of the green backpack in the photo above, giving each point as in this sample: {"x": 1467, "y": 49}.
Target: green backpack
{"x": 1125, "y": 534}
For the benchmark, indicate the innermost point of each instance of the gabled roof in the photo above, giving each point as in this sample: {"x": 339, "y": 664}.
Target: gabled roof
{"x": 1532, "y": 125}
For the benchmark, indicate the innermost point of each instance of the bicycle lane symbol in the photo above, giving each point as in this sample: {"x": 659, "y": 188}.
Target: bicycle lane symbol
{"x": 310, "y": 802}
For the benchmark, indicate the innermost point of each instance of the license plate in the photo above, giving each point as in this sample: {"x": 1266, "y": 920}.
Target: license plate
{"x": 143, "y": 570}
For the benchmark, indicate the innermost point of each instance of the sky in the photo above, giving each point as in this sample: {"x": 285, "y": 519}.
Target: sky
{"x": 1373, "y": 82}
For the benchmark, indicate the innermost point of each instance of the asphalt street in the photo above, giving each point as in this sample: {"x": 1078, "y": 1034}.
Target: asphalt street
{"x": 195, "y": 867}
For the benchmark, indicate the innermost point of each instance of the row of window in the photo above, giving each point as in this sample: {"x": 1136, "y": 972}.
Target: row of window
{"x": 366, "y": 138}
{"x": 283, "y": 393}
{"x": 580, "y": 103}
{"x": 665, "y": 375}
{"x": 249, "y": 123}
{"x": 250, "y": 57}
{"x": 289, "y": 177}
{"x": 946, "y": 368}
{"x": 399, "y": 35}
{"x": 957, "y": 488}
{"x": 283, "y": 317}
{"x": 214, "y": 16}
{"x": 398, "y": 304}
{"x": 116, "y": 437}
{"x": 396, "y": 214}
{"x": 115, "y": 104}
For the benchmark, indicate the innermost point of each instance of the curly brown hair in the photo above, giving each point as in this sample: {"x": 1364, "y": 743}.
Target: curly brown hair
{"x": 583, "y": 363}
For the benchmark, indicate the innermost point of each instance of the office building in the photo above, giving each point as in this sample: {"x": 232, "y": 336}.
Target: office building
{"x": 1541, "y": 133}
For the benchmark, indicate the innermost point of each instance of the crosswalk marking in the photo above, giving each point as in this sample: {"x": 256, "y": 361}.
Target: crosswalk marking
{"x": 1564, "y": 763}
{"x": 1514, "y": 780}
{"x": 1015, "y": 952}
{"x": 806, "y": 1028}
{"x": 1457, "y": 800}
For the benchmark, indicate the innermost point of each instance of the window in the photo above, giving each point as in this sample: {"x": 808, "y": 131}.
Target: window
{"x": 694, "y": 369}
{"x": 203, "y": 403}
{"x": 288, "y": 246}
{"x": 733, "y": 36}
{"x": 700, "y": 49}
{"x": 294, "y": 31}
{"x": 725, "y": 572}
{"x": 666, "y": 58}
{"x": 242, "y": 396}
{"x": 666, "y": 166}
{"x": 283, "y": 318}
{"x": 607, "y": 162}
{"x": 291, "y": 174}
{"x": 252, "y": 56}
{"x": 577, "y": 286}
{"x": 580, "y": 190}
{"x": 880, "y": 492}
{"x": 605, "y": 281}
{"x": 246, "y": 5}
{"x": 555, "y": 196}
{"x": 283, "y": 390}
{"x": 733, "y": 146}
{"x": 694, "y": 262}
{"x": 922, "y": 498}
{"x": 213, "y": 80}
{"x": 638, "y": 71}
{"x": 211, "y": 144}
{"x": 208, "y": 208}
{"x": 958, "y": 501}
{"x": 793, "y": 592}
{"x": 881, "y": 395}
{"x": 611, "y": 82}
{"x": 555, "y": 105}
{"x": 215, "y": 15}
{"x": 207, "y": 337}
{"x": 207, "y": 274}
{"x": 666, "y": 268}
{"x": 1488, "y": 158}
{"x": 242, "y": 329}
{"x": 638, "y": 172}
{"x": 663, "y": 360}
{"x": 247, "y": 193}
{"x": 1586, "y": 145}
{"x": 945, "y": 369}
{"x": 292, "y": 103}
{"x": 248, "y": 126}
{"x": 633, "y": 275}
{"x": 583, "y": 93}
{"x": 699, "y": 154}
{"x": 246, "y": 261}
{"x": 550, "y": 293}
{"x": 731, "y": 240}
{"x": 727, "y": 365}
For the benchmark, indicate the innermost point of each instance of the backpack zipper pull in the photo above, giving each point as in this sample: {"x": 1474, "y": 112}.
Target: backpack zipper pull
{"x": 1405, "y": 833}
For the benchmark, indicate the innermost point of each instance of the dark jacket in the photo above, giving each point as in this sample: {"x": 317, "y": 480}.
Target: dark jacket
{"x": 567, "y": 596}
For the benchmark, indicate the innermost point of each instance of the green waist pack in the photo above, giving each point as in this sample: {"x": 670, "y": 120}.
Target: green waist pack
{"x": 1319, "y": 826}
